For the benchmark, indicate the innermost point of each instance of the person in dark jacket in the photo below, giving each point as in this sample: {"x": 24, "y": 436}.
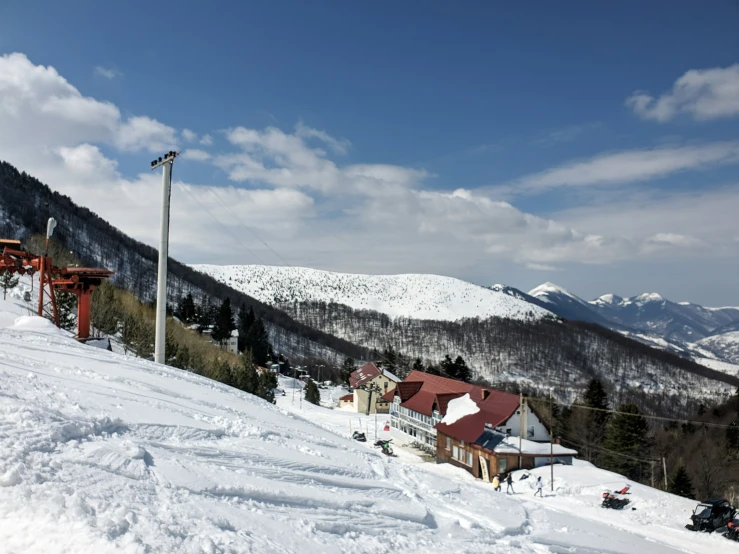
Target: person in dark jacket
{"x": 509, "y": 483}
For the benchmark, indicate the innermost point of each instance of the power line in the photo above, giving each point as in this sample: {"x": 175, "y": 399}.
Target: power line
{"x": 245, "y": 226}
{"x": 220, "y": 223}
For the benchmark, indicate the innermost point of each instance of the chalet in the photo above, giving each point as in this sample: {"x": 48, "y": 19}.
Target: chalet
{"x": 346, "y": 400}
{"x": 230, "y": 344}
{"x": 371, "y": 386}
{"x": 420, "y": 402}
{"x": 470, "y": 437}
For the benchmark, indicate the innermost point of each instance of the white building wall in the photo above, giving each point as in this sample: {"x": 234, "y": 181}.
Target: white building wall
{"x": 534, "y": 424}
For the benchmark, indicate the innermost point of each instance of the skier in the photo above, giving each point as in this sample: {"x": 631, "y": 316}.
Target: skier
{"x": 496, "y": 483}
{"x": 539, "y": 487}
{"x": 509, "y": 482}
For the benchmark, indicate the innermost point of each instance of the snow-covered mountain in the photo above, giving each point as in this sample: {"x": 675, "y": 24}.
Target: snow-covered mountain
{"x": 725, "y": 346}
{"x": 103, "y": 453}
{"x": 681, "y": 327}
{"x": 413, "y": 296}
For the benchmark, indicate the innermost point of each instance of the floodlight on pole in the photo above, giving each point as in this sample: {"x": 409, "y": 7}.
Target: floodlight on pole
{"x": 161, "y": 320}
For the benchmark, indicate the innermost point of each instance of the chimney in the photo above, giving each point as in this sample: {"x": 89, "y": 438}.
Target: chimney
{"x": 484, "y": 394}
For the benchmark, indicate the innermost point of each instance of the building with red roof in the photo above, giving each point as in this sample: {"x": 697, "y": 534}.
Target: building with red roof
{"x": 373, "y": 389}
{"x": 420, "y": 402}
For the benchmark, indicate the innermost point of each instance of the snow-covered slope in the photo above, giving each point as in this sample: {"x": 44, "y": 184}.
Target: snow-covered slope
{"x": 566, "y": 304}
{"x": 725, "y": 346}
{"x": 415, "y": 296}
{"x": 102, "y": 453}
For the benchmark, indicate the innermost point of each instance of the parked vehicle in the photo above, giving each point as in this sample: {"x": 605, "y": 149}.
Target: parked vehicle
{"x": 732, "y": 532}
{"x": 359, "y": 436}
{"x": 713, "y": 514}
{"x": 613, "y": 502}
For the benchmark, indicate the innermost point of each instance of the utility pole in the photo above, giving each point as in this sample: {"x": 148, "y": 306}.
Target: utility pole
{"x": 161, "y": 320}
{"x": 520, "y": 427}
{"x": 551, "y": 438}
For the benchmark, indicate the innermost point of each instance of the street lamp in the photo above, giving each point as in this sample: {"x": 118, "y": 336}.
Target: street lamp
{"x": 161, "y": 320}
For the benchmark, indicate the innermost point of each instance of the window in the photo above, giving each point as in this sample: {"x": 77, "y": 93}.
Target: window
{"x": 469, "y": 458}
{"x": 508, "y": 431}
{"x": 385, "y": 385}
{"x": 530, "y": 431}
{"x": 455, "y": 453}
{"x": 502, "y": 465}
{"x": 448, "y": 443}
{"x": 461, "y": 443}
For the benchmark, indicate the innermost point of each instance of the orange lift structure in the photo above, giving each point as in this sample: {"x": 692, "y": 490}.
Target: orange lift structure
{"x": 81, "y": 281}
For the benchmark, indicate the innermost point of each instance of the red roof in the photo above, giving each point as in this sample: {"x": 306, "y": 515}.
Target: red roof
{"x": 422, "y": 392}
{"x": 365, "y": 373}
{"x": 389, "y": 396}
{"x": 347, "y": 397}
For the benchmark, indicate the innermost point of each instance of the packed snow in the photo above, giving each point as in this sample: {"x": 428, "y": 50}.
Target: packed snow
{"x": 459, "y": 408}
{"x": 100, "y": 452}
{"x": 414, "y": 296}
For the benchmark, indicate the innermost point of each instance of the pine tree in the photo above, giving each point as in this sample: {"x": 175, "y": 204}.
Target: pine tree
{"x": 312, "y": 394}
{"x": 246, "y": 320}
{"x": 627, "y": 443}
{"x": 461, "y": 370}
{"x": 66, "y": 303}
{"x": 448, "y": 368}
{"x": 258, "y": 343}
{"x": 680, "y": 484}
{"x": 347, "y": 368}
{"x": 8, "y": 280}
{"x": 250, "y": 378}
{"x": 224, "y": 322}
{"x": 587, "y": 426}
{"x": 267, "y": 385}
{"x": 206, "y": 316}
{"x": 418, "y": 365}
{"x": 186, "y": 309}
{"x": 390, "y": 358}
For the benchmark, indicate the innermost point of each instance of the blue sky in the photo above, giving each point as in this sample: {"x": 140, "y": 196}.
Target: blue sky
{"x": 380, "y": 112}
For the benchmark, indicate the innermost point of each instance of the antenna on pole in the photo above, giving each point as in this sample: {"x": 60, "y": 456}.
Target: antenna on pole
{"x": 161, "y": 321}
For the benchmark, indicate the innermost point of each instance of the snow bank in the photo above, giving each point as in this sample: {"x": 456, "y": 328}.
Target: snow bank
{"x": 459, "y": 408}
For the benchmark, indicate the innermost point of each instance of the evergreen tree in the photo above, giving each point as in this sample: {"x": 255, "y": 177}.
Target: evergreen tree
{"x": 258, "y": 343}
{"x": 461, "y": 371}
{"x": 206, "y": 316}
{"x": 312, "y": 394}
{"x": 680, "y": 484}
{"x": 390, "y": 358}
{"x": 433, "y": 370}
{"x": 448, "y": 368}
{"x": 587, "y": 426}
{"x": 186, "y": 309}
{"x": 8, "y": 281}
{"x": 418, "y": 365}
{"x": 224, "y": 322}
{"x": 732, "y": 437}
{"x": 246, "y": 320}
{"x": 627, "y": 443}
{"x": 347, "y": 368}
{"x": 66, "y": 304}
{"x": 267, "y": 385}
{"x": 249, "y": 377}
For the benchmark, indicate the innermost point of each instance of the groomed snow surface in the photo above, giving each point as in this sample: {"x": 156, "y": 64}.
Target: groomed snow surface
{"x": 105, "y": 453}
{"x": 415, "y": 296}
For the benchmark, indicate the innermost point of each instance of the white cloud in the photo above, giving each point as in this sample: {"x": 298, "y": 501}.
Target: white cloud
{"x": 316, "y": 212}
{"x": 144, "y": 133}
{"x": 702, "y": 94}
{"x": 189, "y": 135}
{"x": 196, "y": 154}
{"x": 632, "y": 166}
{"x": 106, "y": 73}
{"x": 206, "y": 140}
{"x": 340, "y": 146}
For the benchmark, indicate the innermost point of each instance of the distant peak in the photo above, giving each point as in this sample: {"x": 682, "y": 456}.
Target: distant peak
{"x": 548, "y": 288}
{"x": 607, "y": 299}
{"x": 649, "y": 297}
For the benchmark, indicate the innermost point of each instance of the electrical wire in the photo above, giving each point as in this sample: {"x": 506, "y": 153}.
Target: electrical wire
{"x": 184, "y": 188}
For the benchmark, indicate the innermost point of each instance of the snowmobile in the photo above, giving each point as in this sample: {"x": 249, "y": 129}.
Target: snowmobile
{"x": 359, "y": 436}
{"x": 732, "y": 532}
{"x": 385, "y": 446}
{"x": 611, "y": 501}
{"x": 713, "y": 514}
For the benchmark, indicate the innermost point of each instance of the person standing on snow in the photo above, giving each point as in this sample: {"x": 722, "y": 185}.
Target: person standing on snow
{"x": 509, "y": 482}
{"x": 496, "y": 483}
{"x": 539, "y": 487}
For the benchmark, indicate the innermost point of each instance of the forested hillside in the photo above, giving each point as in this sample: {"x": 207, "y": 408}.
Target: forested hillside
{"x": 26, "y": 204}
{"x": 535, "y": 355}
